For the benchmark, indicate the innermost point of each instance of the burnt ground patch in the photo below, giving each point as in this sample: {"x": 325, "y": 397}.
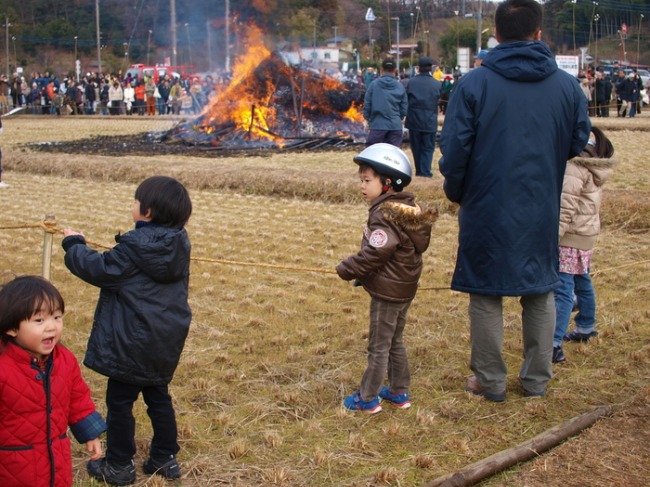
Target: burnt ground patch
{"x": 155, "y": 144}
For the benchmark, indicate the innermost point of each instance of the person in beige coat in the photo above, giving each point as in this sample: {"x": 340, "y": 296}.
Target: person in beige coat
{"x": 579, "y": 229}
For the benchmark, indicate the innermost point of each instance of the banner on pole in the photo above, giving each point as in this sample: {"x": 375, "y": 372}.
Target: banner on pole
{"x": 568, "y": 64}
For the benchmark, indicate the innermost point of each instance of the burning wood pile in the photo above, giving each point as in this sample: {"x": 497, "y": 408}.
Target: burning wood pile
{"x": 269, "y": 104}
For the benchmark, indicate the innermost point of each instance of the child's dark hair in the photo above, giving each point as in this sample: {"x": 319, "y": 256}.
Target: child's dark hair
{"x": 167, "y": 199}
{"x": 382, "y": 177}
{"x": 600, "y": 147}
{"x": 21, "y": 298}
{"x": 364, "y": 167}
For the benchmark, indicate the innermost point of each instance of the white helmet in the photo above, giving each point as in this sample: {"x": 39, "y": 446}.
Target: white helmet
{"x": 390, "y": 161}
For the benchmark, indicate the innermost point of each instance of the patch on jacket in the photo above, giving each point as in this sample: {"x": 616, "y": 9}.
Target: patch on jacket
{"x": 378, "y": 238}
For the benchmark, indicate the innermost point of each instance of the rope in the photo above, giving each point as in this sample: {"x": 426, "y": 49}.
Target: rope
{"x": 17, "y": 227}
{"x": 272, "y": 266}
{"x": 623, "y": 266}
{"x": 50, "y": 226}
{"x": 434, "y": 288}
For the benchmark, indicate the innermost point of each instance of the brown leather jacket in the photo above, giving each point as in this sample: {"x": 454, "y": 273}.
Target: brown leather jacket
{"x": 389, "y": 263}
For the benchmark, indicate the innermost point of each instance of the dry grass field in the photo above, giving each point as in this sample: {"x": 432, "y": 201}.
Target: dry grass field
{"x": 278, "y": 340}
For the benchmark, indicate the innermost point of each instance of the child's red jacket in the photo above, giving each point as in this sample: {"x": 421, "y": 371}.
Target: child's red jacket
{"x": 36, "y": 408}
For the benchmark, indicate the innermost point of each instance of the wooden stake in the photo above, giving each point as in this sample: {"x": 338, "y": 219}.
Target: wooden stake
{"x": 482, "y": 469}
{"x": 48, "y": 237}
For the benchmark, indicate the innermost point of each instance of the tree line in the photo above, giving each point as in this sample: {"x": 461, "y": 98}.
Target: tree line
{"x": 140, "y": 29}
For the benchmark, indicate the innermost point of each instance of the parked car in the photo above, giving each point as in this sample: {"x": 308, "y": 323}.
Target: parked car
{"x": 644, "y": 74}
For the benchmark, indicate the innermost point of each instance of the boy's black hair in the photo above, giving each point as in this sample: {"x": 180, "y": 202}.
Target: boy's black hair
{"x": 167, "y": 199}
{"x": 24, "y": 296}
{"x": 517, "y": 20}
{"x": 382, "y": 177}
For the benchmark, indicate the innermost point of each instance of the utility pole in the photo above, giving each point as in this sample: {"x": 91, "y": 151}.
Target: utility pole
{"x": 638, "y": 40}
{"x": 149, "y": 46}
{"x": 209, "y": 41}
{"x": 479, "y": 26}
{"x": 227, "y": 36}
{"x": 370, "y": 18}
{"x": 7, "y": 45}
{"x": 396, "y": 19}
{"x": 99, "y": 42}
{"x": 173, "y": 25}
{"x": 76, "y": 59}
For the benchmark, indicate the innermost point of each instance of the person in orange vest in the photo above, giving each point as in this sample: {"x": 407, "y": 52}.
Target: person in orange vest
{"x": 140, "y": 96}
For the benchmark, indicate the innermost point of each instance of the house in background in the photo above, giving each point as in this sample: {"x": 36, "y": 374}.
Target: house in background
{"x": 337, "y": 53}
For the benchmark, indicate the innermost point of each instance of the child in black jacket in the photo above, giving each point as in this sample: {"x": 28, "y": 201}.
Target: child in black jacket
{"x": 140, "y": 325}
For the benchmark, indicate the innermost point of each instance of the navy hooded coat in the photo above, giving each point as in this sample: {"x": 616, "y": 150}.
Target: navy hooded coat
{"x": 509, "y": 129}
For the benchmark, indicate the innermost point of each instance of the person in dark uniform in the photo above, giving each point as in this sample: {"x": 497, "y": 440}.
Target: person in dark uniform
{"x": 423, "y": 93}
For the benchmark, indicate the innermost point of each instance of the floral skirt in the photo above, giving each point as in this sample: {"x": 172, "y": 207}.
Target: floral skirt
{"x": 575, "y": 261}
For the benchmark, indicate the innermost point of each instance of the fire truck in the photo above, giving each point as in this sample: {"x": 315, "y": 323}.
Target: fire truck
{"x": 139, "y": 71}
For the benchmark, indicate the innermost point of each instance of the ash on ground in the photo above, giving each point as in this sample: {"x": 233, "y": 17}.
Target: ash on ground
{"x": 151, "y": 144}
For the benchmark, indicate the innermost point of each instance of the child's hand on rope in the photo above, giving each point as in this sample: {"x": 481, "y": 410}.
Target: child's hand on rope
{"x": 68, "y": 232}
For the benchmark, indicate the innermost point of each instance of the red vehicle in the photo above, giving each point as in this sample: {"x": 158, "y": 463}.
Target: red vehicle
{"x": 139, "y": 71}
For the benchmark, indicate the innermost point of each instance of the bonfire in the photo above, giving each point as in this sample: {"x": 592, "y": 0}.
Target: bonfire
{"x": 270, "y": 104}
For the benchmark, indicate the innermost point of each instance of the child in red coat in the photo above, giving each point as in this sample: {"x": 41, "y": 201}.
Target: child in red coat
{"x": 41, "y": 390}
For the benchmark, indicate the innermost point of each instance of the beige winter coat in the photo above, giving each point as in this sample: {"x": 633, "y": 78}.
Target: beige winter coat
{"x": 581, "y": 198}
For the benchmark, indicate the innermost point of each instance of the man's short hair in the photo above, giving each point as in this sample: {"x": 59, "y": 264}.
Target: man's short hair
{"x": 518, "y": 20}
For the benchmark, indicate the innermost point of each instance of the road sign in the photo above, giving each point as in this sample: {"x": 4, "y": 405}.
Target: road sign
{"x": 370, "y": 16}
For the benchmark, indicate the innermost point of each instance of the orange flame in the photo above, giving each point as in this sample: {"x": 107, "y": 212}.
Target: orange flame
{"x": 240, "y": 104}
{"x": 354, "y": 113}
{"x": 249, "y": 101}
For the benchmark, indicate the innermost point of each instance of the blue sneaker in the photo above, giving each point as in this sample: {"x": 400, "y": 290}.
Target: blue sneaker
{"x": 401, "y": 401}
{"x": 558, "y": 355}
{"x": 576, "y": 336}
{"x": 355, "y": 403}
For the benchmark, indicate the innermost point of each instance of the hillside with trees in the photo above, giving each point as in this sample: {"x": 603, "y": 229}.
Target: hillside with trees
{"x": 51, "y": 34}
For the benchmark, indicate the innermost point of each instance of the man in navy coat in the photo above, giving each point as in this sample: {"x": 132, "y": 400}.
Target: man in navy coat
{"x": 384, "y": 106}
{"x": 505, "y": 143}
{"x": 423, "y": 92}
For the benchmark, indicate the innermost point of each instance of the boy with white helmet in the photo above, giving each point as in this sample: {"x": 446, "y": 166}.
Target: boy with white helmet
{"x": 388, "y": 266}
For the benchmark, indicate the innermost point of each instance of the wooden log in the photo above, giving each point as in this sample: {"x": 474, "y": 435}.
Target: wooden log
{"x": 482, "y": 469}
{"x": 323, "y": 143}
{"x": 302, "y": 144}
{"x": 250, "y": 127}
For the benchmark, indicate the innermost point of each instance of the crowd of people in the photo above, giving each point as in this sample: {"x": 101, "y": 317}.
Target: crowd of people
{"x": 113, "y": 94}
{"x": 106, "y": 94}
{"x": 625, "y": 88}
